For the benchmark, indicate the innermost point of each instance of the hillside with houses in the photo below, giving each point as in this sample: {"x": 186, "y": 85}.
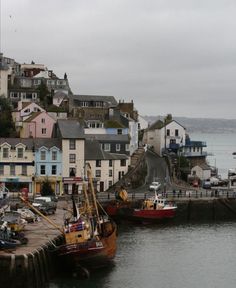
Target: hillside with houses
{"x": 52, "y": 133}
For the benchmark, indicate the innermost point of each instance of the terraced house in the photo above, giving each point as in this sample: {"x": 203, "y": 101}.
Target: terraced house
{"x": 17, "y": 166}
{"x": 48, "y": 164}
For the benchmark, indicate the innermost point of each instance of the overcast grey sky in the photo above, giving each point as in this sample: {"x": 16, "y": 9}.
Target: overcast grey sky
{"x": 169, "y": 56}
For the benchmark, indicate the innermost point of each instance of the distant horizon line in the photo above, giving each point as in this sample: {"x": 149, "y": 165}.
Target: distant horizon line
{"x": 208, "y": 118}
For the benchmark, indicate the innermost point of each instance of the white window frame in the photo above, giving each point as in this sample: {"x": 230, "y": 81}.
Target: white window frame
{"x": 43, "y": 152}
{"x": 5, "y": 153}
{"x": 41, "y": 166}
{"x": 98, "y": 173}
{"x": 54, "y": 155}
{"x": 117, "y": 147}
{"x": 20, "y": 155}
{"x": 107, "y": 147}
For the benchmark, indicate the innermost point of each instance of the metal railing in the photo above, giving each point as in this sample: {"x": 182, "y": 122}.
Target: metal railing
{"x": 173, "y": 194}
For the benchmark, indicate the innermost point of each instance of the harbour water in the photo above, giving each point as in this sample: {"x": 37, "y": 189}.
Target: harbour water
{"x": 220, "y": 147}
{"x": 173, "y": 256}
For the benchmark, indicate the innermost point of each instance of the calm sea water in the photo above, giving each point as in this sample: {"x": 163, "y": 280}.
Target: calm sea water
{"x": 168, "y": 256}
{"x": 221, "y": 146}
{"x": 173, "y": 256}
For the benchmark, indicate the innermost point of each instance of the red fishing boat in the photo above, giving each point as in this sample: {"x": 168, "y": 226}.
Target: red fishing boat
{"x": 156, "y": 208}
{"x": 90, "y": 237}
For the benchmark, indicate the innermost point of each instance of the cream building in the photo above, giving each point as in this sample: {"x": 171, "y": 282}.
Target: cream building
{"x": 17, "y": 167}
{"x": 107, "y": 168}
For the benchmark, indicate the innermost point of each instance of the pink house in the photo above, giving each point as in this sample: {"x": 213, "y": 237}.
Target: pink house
{"x": 38, "y": 125}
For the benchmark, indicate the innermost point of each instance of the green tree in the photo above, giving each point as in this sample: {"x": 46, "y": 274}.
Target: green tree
{"x": 44, "y": 95}
{"x": 46, "y": 189}
{"x": 7, "y": 128}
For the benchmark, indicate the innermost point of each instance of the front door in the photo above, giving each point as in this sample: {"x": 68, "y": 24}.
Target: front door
{"x": 101, "y": 186}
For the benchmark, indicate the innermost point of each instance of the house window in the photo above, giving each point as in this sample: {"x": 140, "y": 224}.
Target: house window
{"x": 72, "y": 144}
{"x": 43, "y": 120}
{"x": 72, "y": 172}
{"x": 24, "y": 170}
{"x": 123, "y": 162}
{"x": 42, "y": 169}
{"x": 168, "y": 132}
{"x": 12, "y": 169}
{"x": 54, "y": 169}
{"x": 126, "y": 147}
{"x": 107, "y": 147}
{"x": 72, "y": 158}
{"x": 1, "y": 169}
{"x": 43, "y": 155}
{"x": 176, "y": 132}
{"x": 109, "y": 183}
{"x": 119, "y": 131}
{"x": 98, "y": 173}
{"x": 5, "y": 153}
{"x": 84, "y": 104}
{"x": 20, "y": 153}
{"x": 98, "y": 163}
{"x": 110, "y": 173}
{"x": 117, "y": 147}
{"x": 44, "y": 130}
{"x": 110, "y": 163}
{"x": 54, "y": 155}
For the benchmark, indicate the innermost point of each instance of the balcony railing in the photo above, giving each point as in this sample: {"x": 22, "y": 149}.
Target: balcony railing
{"x": 190, "y": 143}
{"x": 194, "y": 154}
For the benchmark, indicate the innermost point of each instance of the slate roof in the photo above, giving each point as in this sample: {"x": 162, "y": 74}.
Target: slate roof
{"x": 33, "y": 143}
{"x": 107, "y": 137}
{"x": 93, "y": 151}
{"x": 48, "y": 142}
{"x": 156, "y": 125}
{"x": 204, "y": 166}
{"x": 108, "y": 99}
{"x": 33, "y": 115}
{"x": 70, "y": 129}
{"x": 160, "y": 124}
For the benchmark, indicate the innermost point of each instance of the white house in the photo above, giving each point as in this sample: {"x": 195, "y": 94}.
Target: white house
{"x": 107, "y": 168}
{"x": 165, "y": 136}
{"x": 73, "y": 162}
{"x": 142, "y": 123}
{"x": 202, "y": 171}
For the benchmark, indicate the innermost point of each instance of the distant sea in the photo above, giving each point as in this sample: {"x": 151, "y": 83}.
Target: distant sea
{"x": 220, "y": 146}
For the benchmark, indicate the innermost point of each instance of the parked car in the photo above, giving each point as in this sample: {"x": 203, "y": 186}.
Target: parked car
{"x": 45, "y": 205}
{"x": 154, "y": 186}
{"x": 206, "y": 184}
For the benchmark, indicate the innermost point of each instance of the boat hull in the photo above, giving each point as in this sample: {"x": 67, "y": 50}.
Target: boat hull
{"x": 158, "y": 214}
{"x": 91, "y": 254}
{"x": 126, "y": 212}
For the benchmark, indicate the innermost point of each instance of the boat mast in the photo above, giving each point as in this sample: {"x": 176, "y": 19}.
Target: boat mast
{"x": 43, "y": 216}
{"x": 89, "y": 173}
{"x": 87, "y": 205}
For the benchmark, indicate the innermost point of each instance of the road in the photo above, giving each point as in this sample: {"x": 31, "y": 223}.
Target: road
{"x": 157, "y": 170}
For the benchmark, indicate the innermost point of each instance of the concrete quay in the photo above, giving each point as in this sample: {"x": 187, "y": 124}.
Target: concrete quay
{"x": 31, "y": 265}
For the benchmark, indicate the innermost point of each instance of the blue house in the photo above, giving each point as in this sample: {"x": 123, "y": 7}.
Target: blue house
{"x": 48, "y": 164}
